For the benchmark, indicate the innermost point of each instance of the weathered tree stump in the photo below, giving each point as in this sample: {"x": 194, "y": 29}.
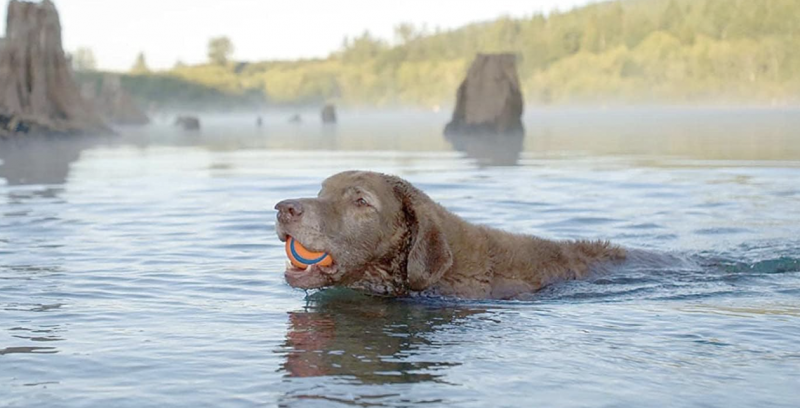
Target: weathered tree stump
{"x": 188, "y": 122}
{"x": 489, "y": 101}
{"x": 328, "y": 114}
{"x": 36, "y": 83}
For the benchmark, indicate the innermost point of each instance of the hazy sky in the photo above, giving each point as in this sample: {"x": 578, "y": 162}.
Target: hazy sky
{"x": 171, "y": 30}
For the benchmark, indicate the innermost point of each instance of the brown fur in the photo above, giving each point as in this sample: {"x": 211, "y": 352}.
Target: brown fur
{"x": 403, "y": 243}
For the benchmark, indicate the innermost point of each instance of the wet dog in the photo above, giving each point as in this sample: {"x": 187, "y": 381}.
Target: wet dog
{"x": 388, "y": 238}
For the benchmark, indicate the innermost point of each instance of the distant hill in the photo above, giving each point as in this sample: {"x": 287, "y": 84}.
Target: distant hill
{"x": 636, "y": 51}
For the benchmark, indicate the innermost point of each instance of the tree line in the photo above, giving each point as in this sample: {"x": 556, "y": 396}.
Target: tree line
{"x": 659, "y": 51}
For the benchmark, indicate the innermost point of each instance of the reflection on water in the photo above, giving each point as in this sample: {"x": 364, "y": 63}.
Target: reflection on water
{"x": 699, "y": 134}
{"x": 40, "y": 334}
{"x": 144, "y": 270}
{"x": 344, "y": 338}
{"x": 40, "y": 160}
{"x": 368, "y": 340}
{"x": 35, "y": 328}
{"x": 28, "y": 350}
{"x": 490, "y": 150}
{"x": 696, "y": 134}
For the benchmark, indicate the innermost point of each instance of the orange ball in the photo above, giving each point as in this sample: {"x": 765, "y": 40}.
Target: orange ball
{"x": 301, "y": 257}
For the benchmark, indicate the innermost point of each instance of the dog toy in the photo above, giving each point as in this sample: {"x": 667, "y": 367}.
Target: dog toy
{"x": 301, "y": 257}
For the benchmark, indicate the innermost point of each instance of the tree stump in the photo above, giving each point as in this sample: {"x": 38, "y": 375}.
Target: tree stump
{"x": 328, "y": 114}
{"x": 36, "y": 83}
{"x": 489, "y": 101}
{"x": 188, "y": 122}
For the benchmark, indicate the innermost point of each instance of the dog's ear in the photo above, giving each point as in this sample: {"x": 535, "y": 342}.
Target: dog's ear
{"x": 429, "y": 256}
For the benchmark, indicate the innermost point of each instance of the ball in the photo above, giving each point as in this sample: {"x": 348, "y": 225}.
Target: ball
{"x": 301, "y": 257}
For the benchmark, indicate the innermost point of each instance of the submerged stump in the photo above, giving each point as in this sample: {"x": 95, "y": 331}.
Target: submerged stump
{"x": 188, "y": 122}
{"x": 489, "y": 100}
{"x": 36, "y": 84}
{"x": 328, "y": 114}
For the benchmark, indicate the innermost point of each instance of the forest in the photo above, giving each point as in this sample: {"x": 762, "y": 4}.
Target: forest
{"x": 619, "y": 52}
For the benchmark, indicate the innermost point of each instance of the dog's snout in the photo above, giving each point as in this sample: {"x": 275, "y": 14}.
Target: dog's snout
{"x": 289, "y": 209}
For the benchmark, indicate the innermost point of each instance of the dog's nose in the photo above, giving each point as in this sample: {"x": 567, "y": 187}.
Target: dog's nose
{"x": 289, "y": 209}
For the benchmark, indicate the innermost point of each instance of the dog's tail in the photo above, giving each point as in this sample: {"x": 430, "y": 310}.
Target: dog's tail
{"x": 599, "y": 251}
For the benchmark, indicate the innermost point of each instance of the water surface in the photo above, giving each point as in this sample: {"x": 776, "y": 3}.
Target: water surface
{"x": 143, "y": 269}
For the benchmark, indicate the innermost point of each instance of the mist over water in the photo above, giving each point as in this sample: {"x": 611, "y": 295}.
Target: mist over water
{"x": 143, "y": 269}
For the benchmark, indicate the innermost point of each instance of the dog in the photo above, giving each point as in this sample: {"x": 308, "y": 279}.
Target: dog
{"x": 388, "y": 238}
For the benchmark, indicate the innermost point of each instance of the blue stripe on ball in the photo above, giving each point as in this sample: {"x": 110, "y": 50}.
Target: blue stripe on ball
{"x": 304, "y": 260}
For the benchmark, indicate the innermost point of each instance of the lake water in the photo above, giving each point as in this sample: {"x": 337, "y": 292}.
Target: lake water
{"x": 143, "y": 270}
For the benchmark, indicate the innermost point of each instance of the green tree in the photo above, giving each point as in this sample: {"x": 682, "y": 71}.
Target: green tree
{"x": 140, "y": 65}
{"x": 672, "y": 17}
{"x": 220, "y": 49}
{"x": 719, "y": 15}
{"x": 622, "y": 51}
{"x": 362, "y": 48}
{"x": 592, "y": 40}
{"x": 404, "y": 33}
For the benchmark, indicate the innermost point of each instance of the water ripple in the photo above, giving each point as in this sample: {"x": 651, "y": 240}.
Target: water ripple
{"x": 149, "y": 275}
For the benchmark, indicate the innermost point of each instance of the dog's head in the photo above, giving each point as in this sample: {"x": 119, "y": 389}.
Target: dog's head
{"x": 384, "y": 235}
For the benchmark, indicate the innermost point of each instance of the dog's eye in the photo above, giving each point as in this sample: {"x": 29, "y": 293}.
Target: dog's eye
{"x": 361, "y": 202}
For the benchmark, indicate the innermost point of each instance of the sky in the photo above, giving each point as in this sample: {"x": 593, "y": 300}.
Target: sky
{"x": 168, "y": 31}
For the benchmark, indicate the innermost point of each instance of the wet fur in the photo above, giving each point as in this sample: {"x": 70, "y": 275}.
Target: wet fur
{"x": 411, "y": 245}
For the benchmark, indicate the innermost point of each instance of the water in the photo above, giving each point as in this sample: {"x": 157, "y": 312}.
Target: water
{"x": 143, "y": 270}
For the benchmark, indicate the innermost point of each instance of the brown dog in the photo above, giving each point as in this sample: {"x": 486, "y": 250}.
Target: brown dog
{"x": 388, "y": 238}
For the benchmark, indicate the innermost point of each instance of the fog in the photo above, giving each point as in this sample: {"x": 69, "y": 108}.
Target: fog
{"x": 642, "y": 134}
